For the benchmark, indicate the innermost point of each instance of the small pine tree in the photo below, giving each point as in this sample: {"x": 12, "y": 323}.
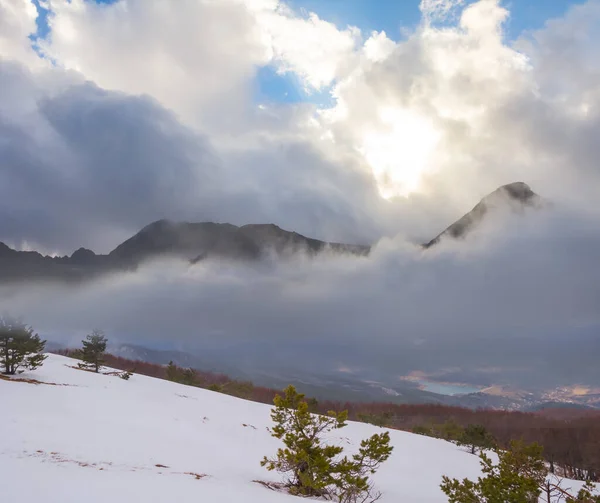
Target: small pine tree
{"x": 352, "y": 476}
{"x": 20, "y": 348}
{"x": 516, "y": 478}
{"x": 189, "y": 377}
{"x": 172, "y": 372}
{"x": 476, "y": 437}
{"x": 94, "y": 347}
{"x": 312, "y": 468}
{"x": 453, "y": 432}
{"x": 585, "y": 495}
{"x": 182, "y": 376}
{"x": 313, "y": 404}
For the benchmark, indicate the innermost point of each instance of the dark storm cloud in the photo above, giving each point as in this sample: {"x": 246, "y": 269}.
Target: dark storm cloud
{"x": 89, "y": 167}
{"x": 84, "y": 162}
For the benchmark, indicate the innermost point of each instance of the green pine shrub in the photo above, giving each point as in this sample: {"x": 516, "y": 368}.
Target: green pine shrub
{"x": 519, "y": 476}
{"x": 186, "y": 376}
{"x": 476, "y": 438}
{"x": 20, "y": 348}
{"x": 585, "y": 495}
{"x": 92, "y": 353}
{"x": 516, "y": 478}
{"x": 313, "y": 468}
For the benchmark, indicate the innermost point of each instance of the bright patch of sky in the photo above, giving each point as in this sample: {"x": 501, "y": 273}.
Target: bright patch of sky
{"x": 272, "y": 86}
{"x": 41, "y": 21}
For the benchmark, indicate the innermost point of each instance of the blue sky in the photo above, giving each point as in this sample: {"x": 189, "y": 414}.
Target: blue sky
{"x": 391, "y": 16}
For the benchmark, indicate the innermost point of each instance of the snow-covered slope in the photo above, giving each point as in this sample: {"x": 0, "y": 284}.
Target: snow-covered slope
{"x": 98, "y": 438}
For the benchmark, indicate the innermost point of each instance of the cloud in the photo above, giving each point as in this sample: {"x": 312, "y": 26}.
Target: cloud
{"x": 83, "y": 166}
{"x": 312, "y": 48}
{"x": 440, "y": 118}
{"x": 517, "y": 283}
{"x": 195, "y": 57}
{"x": 198, "y": 58}
{"x": 415, "y": 115}
{"x": 17, "y": 22}
{"x": 83, "y": 161}
{"x": 473, "y": 112}
{"x": 147, "y": 113}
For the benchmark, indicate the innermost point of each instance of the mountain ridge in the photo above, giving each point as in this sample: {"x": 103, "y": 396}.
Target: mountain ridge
{"x": 197, "y": 241}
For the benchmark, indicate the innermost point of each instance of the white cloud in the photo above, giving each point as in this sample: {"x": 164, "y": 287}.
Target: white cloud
{"x": 451, "y": 112}
{"x": 446, "y": 104}
{"x": 519, "y": 285}
{"x": 17, "y": 22}
{"x": 490, "y": 118}
{"x": 313, "y": 49}
{"x": 378, "y": 47}
{"x": 197, "y": 57}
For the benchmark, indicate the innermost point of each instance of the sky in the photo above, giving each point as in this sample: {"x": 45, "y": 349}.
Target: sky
{"x": 359, "y": 122}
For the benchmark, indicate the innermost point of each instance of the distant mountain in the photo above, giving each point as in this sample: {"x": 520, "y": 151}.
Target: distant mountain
{"x": 516, "y": 196}
{"x": 19, "y": 266}
{"x": 189, "y": 241}
{"x": 198, "y": 241}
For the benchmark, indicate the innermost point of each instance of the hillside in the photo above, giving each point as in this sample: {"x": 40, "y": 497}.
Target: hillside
{"x": 79, "y": 436}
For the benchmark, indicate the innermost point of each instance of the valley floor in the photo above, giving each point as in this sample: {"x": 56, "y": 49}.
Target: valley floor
{"x": 80, "y": 436}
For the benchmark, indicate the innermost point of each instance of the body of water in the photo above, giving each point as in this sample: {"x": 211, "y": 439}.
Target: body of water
{"x": 447, "y": 388}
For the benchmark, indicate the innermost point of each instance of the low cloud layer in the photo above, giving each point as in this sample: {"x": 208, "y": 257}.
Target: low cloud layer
{"x": 135, "y": 111}
{"x": 517, "y": 284}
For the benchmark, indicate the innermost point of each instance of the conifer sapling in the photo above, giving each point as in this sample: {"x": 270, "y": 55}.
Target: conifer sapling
{"x": 20, "y": 348}
{"x": 94, "y": 347}
{"x": 313, "y": 468}
{"x": 517, "y": 477}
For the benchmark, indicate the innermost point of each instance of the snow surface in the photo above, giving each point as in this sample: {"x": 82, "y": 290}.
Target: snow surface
{"x": 99, "y": 439}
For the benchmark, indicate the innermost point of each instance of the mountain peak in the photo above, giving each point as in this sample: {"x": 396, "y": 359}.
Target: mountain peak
{"x": 516, "y": 195}
{"x": 83, "y": 255}
{"x": 158, "y": 225}
{"x": 518, "y": 191}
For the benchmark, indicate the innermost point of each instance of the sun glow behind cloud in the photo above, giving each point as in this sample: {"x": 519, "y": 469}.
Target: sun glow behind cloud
{"x": 400, "y": 152}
